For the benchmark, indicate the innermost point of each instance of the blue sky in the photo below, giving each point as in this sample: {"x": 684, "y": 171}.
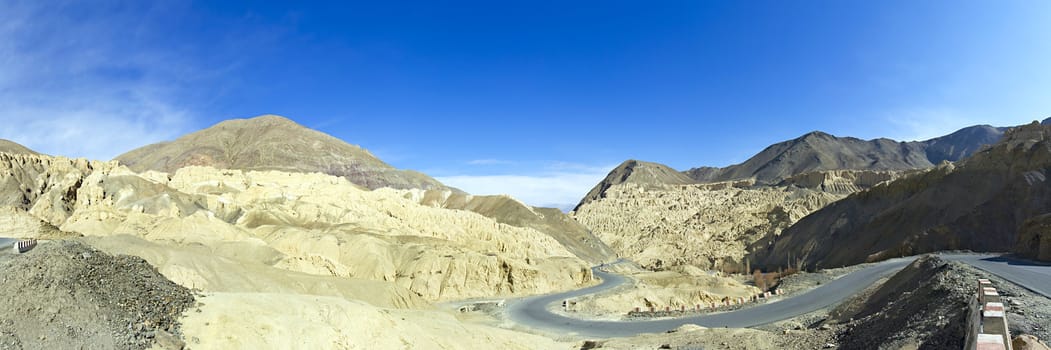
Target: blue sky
{"x": 538, "y": 99}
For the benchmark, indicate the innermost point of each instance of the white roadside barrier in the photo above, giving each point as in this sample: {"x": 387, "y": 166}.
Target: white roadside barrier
{"x": 987, "y": 328}
{"x": 24, "y": 245}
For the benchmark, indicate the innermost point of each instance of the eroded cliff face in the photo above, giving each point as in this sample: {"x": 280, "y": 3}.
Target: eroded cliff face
{"x": 1034, "y": 238}
{"x": 844, "y": 181}
{"x": 311, "y": 223}
{"x": 709, "y": 225}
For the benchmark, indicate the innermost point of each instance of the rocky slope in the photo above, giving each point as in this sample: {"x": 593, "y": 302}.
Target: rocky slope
{"x": 1034, "y": 238}
{"x": 308, "y": 223}
{"x": 900, "y": 313}
{"x": 506, "y": 210}
{"x": 272, "y": 142}
{"x": 276, "y": 143}
{"x": 662, "y": 225}
{"x": 14, "y": 148}
{"x": 706, "y": 225}
{"x": 62, "y": 295}
{"x": 645, "y": 174}
{"x": 979, "y": 204}
{"x": 842, "y": 181}
{"x": 962, "y": 143}
{"x": 818, "y": 151}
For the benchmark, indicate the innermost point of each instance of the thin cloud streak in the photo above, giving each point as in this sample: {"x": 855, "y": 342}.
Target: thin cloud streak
{"x": 94, "y": 80}
{"x": 559, "y": 189}
{"x": 918, "y": 124}
{"x": 490, "y": 162}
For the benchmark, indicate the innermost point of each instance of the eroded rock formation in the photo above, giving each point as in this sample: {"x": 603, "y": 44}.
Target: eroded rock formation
{"x": 706, "y": 225}
{"x": 311, "y": 223}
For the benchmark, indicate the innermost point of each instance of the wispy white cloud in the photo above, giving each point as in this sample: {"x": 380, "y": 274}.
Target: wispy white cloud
{"x": 90, "y": 80}
{"x": 490, "y": 162}
{"x": 558, "y": 185}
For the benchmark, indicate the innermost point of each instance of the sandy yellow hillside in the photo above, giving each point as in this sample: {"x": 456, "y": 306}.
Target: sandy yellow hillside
{"x": 310, "y": 223}
{"x": 705, "y": 225}
{"x": 290, "y": 259}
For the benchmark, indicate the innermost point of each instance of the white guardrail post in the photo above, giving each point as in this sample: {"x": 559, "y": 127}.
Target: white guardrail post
{"x": 987, "y": 321}
{"x": 24, "y": 245}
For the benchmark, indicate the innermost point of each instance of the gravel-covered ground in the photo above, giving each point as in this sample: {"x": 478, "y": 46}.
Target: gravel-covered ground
{"x": 67, "y": 295}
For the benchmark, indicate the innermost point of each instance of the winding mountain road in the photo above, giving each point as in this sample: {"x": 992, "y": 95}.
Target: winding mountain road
{"x": 533, "y": 312}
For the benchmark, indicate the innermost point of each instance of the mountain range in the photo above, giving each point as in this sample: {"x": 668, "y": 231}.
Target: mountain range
{"x": 817, "y": 151}
{"x": 813, "y": 152}
{"x": 995, "y": 200}
{"x": 14, "y": 148}
{"x": 271, "y": 142}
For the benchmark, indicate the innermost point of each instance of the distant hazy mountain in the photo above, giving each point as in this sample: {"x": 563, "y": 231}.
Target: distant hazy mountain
{"x": 981, "y": 203}
{"x": 818, "y": 151}
{"x": 272, "y": 142}
{"x": 817, "y": 159}
{"x": 962, "y": 143}
{"x": 276, "y": 143}
{"x": 14, "y": 148}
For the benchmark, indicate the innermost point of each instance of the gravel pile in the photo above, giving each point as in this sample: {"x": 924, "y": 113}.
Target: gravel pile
{"x": 67, "y": 295}
{"x": 925, "y": 306}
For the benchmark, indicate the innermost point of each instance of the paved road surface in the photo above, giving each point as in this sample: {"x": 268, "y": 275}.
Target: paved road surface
{"x": 532, "y": 312}
{"x": 1034, "y": 276}
{"x": 6, "y": 243}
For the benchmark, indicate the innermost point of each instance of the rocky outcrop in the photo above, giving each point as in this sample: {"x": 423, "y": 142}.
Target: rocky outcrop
{"x": 645, "y": 174}
{"x": 842, "y": 181}
{"x": 1034, "y": 238}
{"x": 818, "y": 151}
{"x": 694, "y": 224}
{"x": 310, "y": 223}
{"x": 272, "y": 142}
{"x": 14, "y": 148}
{"x": 978, "y": 204}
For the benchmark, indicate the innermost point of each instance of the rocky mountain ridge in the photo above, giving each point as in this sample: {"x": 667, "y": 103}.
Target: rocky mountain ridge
{"x": 577, "y": 238}
{"x": 271, "y": 142}
{"x": 7, "y": 146}
{"x": 306, "y": 224}
{"x": 816, "y": 160}
{"x": 818, "y": 151}
{"x": 705, "y": 225}
{"x": 992, "y": 201}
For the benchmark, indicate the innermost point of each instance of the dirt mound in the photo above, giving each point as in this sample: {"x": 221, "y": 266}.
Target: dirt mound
{"x": 923, "y": 305}
{"x": 65, "y": 295}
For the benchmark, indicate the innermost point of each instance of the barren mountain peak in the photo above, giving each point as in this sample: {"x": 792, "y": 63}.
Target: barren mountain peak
{"x": 992, "y": 201}
{"x": 645, "y": 174}
{"x": 272, "y": 142}
{"x": 12, "y": 147}
{"x": 265, "y": 119}
{"x": 816, "y": 133}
